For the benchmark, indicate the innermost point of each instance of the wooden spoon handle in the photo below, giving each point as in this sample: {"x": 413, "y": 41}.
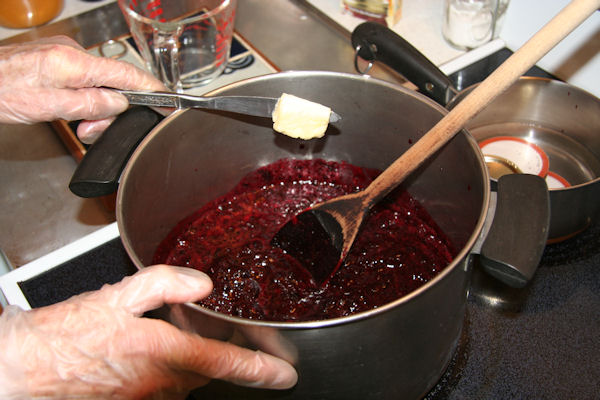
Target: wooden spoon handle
{"x": 505, "y": 75}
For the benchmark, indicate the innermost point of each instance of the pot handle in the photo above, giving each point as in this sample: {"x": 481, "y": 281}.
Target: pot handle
{"x": 99, "y": 171}
{"x": 375, "y": 42}
{"x": 516, "y": 239}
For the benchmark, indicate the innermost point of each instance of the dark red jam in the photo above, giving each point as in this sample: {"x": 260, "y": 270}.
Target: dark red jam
{"x": 398, "y": 249}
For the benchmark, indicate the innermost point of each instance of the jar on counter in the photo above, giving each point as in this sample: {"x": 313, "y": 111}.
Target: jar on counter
{"x": 469, "y": 23}
{"x": 28, "y": 13}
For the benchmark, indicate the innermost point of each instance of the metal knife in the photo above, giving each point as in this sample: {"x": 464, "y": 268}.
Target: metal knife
{"x": 248, "y": 105}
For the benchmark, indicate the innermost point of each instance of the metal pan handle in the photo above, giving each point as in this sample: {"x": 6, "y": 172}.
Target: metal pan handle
{"x": 375, "y": 42}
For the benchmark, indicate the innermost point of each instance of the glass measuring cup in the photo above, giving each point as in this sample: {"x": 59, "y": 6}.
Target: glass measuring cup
{"x": 185, "y": 43}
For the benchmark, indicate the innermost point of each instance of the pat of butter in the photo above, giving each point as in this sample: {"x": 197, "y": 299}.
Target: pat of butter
{"x": 300, "y": 118}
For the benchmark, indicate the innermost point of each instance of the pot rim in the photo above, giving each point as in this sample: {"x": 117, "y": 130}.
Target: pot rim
{"x": 462, "y": 255}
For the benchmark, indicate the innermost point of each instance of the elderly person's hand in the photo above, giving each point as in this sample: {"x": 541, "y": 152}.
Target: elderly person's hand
{"x": 56, "y": 78}
{"x": 97, "y": 345}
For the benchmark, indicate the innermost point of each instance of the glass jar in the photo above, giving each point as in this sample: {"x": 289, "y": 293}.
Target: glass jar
{"x": 469, "y": 23}
{"x": 21, "y": 14}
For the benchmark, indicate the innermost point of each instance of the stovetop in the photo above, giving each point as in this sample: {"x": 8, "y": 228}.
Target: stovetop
{"x": 539, "y": 342}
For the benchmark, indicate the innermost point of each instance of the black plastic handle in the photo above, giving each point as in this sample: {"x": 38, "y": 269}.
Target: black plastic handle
{"x": 99, "y": 171}
{"x": 515, "y": 243}
{"x": 376, "y": 42}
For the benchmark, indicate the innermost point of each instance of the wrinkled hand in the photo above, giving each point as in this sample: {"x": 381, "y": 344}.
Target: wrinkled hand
{"x": 56, "y": 78}
{"x": 96, "y": 345}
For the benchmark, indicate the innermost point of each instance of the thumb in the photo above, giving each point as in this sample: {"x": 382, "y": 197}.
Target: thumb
{"x": 154, "y": 286}
{"x": 222, "y": 360}
{"x": 86, "y": 103}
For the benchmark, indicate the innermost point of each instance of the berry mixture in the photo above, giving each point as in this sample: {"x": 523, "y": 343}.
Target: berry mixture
{"x": 398, "y": 249}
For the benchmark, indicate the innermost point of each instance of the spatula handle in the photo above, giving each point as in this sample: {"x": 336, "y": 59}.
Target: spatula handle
{"x": 505, "y": 75}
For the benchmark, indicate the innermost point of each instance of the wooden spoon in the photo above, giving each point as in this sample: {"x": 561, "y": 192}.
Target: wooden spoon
{"x": 336, "y": 222}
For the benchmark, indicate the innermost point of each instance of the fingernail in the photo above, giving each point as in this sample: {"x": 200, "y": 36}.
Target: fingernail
{"x": 283, "y": 376}
{"x": 89, "y": 137}
{"x": 121, "y": 102}
{"x": 199, "y": 278}
{"x": 89, "y": 133}
{"x": 287, "y": 376}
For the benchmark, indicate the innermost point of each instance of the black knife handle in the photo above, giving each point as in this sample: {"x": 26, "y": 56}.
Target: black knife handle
{"x": 99, "y": 171}
{"x": 376, "y": 42}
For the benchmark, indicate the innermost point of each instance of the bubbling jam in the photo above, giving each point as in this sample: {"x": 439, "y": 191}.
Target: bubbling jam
{"x": 398, "y": 249}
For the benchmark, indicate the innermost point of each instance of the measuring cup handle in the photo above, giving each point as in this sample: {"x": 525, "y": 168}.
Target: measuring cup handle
{"x": 166, "y": 49}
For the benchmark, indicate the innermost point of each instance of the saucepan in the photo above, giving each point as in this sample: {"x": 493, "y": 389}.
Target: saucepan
{"x": 399, "y": 350}
{"x": 561, "y": 120}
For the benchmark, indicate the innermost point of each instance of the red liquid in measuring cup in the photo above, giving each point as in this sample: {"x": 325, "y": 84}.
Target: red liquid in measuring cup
{"x": 399, "y": 247}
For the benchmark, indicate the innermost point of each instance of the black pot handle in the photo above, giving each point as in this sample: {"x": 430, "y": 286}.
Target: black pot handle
{"x": 517, "y": 237}
{"x": 99, "y": 171}
{"x": 375, "y": 42}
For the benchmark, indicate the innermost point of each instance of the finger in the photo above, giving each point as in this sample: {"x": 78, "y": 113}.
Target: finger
{"x": 30, "y": 105}
{"x": 89, "y": 131}
{"x": 88, "y": 103}
{"x": 270, "y": 340}
{"x": 68, "y": 67}
{"x": 221, "y": 360}
{"x": 58, "y": 39}
{"x": 248, "y": 368}
{"x": 123, "y": 76}
{"x": 154, "y": 286}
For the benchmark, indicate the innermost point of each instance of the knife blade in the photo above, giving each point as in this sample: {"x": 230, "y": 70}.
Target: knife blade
{"x": 249, "y": 105}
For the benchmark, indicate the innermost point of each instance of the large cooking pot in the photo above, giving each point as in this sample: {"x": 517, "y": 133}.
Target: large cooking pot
{"x": 399, "y": 350}
{"x": 561, "y": 119}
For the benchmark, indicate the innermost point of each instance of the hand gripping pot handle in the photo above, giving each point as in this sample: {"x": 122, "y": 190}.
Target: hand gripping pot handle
{"x": 516, "y": 230}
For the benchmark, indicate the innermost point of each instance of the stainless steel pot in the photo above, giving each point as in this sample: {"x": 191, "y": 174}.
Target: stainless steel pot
{"x": 396, "y": 351}
{"x": 561, "y": 119}
{"x": 564, "y": 121}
